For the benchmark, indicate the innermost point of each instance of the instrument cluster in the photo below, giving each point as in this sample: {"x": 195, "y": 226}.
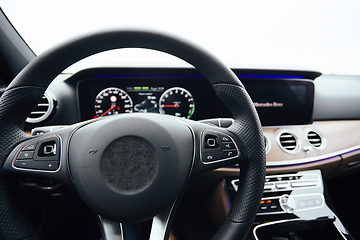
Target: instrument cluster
{"x": 185, "y": 96}
{"x": 175, "y": 101}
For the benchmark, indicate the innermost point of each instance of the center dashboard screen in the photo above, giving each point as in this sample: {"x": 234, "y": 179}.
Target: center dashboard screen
{"x": 277, "y": 101}
{"x": 282, "y": 102}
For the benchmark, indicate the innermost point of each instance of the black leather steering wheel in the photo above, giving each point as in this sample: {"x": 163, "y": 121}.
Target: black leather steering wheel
{"x": 138, "y": 165}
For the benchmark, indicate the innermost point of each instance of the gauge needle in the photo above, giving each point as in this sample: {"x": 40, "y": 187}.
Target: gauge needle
{"x": 114, "y": 106}
{"x": 174, "y": 106}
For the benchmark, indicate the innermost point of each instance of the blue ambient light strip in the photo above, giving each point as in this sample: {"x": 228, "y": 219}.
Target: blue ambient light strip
{"x": 194, "y": 76}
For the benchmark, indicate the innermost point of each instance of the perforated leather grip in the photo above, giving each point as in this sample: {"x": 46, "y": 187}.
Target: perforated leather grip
{"x": 248, "y": 128}
{"x": 15, "y": 105}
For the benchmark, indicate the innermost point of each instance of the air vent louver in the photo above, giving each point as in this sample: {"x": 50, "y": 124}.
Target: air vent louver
{"x": 42, "y": 111}
{"x": 288, "y": 142}
{"x": 314, "y": 139}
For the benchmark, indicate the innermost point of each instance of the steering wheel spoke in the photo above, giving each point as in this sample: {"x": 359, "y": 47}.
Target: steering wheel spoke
{"x": 111, "y": 230}
{"x": 160, "y": 227}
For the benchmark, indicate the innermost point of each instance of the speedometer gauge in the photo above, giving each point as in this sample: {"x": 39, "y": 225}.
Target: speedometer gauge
{"x": 112, "y": 101}
{"x": 177, "y": 101}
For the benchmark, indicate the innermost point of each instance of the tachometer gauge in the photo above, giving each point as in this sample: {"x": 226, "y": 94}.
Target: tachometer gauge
{"x": 177, "y": 101}
{"x": 112, "y": 101}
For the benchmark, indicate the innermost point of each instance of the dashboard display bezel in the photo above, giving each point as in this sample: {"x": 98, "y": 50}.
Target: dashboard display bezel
{"x": 208, "y": 105}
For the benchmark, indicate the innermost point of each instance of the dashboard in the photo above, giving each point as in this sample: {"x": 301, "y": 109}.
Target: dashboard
{"x": 279, "y": 99}
{"x": 299, "y": 133}
{"x": 303, "y": 142}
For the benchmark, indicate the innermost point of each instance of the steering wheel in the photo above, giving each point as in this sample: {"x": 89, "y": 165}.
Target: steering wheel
{"x": 129, "y": 167}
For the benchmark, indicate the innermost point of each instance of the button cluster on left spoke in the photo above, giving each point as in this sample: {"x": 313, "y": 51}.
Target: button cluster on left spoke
{"x": 43, "y": 154}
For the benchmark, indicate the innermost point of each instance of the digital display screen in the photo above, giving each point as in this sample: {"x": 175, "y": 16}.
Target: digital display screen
{"x": 282, "y": 102}
{"x": 277, "y": 101}
{"x": 187, "y": 98}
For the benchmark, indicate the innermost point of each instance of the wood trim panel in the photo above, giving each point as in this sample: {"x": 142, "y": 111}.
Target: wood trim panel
{"x": 340, "y": 137}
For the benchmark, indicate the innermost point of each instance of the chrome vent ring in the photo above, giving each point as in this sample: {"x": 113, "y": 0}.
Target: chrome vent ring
{"x": 43, "y": 110}
{"x": 315, "y": 139}
{"x": 288, "y": 141}
{"x": 267, "y": 144}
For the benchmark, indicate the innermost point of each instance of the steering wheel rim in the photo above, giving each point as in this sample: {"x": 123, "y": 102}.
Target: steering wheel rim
{"x": 28, "y": 87}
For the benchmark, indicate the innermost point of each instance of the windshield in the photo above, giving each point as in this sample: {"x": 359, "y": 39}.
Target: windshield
{"x": 317, "y": 35}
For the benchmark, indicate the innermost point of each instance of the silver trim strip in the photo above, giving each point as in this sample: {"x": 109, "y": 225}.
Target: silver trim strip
{"x": 269, "y": 224}
{"x": 311, "y": 159}
{"x": 341, "y": 233}
{"x": 284, "y": 221}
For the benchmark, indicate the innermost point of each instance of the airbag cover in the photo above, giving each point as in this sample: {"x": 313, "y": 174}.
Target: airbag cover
{"x": 129, "y": 167}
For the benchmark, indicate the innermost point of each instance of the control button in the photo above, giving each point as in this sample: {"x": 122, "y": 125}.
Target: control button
{"x": 269, "y": 186}
{"x": 210, "y": 157}
{"x": 274, "y": 208}
{"x": 264, "y": 208}
{"x": 30, "y": 147}
{"x": 211, "y": 141}
{"x": 229, "y": 154}
{"x": 22, "y": 163}
{"x": 303, "y": 184}
{"x": 48, "y": 149}
{"x": 225, "y": 138}
{"x": 302, "y": 204}
{"x": 25, "y": 155}
{"x": 282, "y": 185}
{"x": 228, "y": 146}
{"x": 287, "y": 203}
{"x": 29, "y": 164}
{"x": 310, "y": 203}
{"x": 318, "y": 202}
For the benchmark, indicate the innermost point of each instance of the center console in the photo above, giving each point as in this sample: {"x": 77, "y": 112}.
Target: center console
{"x": 293, "y": 207}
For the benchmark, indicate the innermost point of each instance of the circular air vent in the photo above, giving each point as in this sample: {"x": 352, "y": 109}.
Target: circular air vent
{"x": 288, "y": 142}
{"x": 267, "y": 144}
{"x": 315, "y": 139}
{"x": 43, "y": 109}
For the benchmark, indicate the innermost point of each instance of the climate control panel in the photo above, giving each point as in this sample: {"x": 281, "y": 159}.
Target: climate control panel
{"x": 289, "y": 193}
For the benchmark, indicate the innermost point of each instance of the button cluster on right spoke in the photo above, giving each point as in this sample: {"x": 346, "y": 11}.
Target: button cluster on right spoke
{"x": 217, "y": 146}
